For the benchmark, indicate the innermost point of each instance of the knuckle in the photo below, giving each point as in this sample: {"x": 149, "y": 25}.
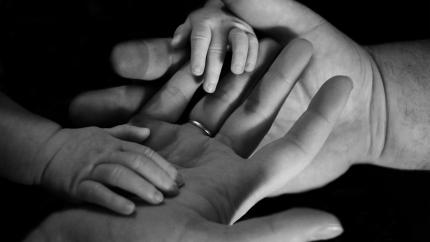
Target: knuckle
{"x": 136, "y": 162}
{"x": 148, "y": 152}
{"x": 276, "y": 75}
{"x": 224, "y": 95}
{"x": 238, "y": 34}
{"x": 319, "y": 115}
{"x": 115, "y": 174}
{"x": 200, "y": 32}
{"x": 253, "y": 106}
{"x": 216, "y": 49}
{"x": 174, "y": 92}
{"x": 294, "y": 141}
{"x": 200, "y": 36}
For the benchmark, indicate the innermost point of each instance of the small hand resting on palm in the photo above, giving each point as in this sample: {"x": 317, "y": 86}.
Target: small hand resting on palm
{"x": 86, "y": 163}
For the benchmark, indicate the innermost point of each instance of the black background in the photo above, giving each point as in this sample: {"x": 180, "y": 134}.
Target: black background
{"x": 52, "y": 50}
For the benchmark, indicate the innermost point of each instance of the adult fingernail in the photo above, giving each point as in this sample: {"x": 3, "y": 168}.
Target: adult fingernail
{"x": 327, "y": 232}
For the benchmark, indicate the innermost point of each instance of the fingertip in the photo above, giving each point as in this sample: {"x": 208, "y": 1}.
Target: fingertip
{"x": 144, "y": 132}
{"x": 180, "y": 182}
{"x": 126, "y": 209}
{"x": 196, "y": 69}
{"x": 237, "y": 69}
{"x": 326, "y": 233}
{"x": 175, "y": 40}
{"x": 209, "y": 87}
{"x": 249, "y": 67}
{"x": 130, "y": 208}
{"x": 344, "y": 82}
{"x": 157, "y": 197}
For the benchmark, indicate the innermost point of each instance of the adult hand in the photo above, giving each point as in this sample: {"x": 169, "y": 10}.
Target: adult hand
{"x": 145, "y": 60}
{"x": 220, "y": 185}
{"x": 360, "y": 131}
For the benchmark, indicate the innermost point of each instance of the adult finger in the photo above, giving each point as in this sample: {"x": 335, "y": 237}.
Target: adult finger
{"x": 215, "y": 60}
{"x": 212, "y": 110}
{"x": 252, "y": 53}
{"x": 169, "y": 103}
{"x": 118, "y": 176}
{"x": 239, "y": 44}
{"x": 282, "y": 160}
{"x": 96, "y": 193}
{"x": 249, "y": 123}
{"x": 144, "y": 166}
{"x": 129, "y": 133}
{"x": 181, "y": 34}
{"x": 146, "y": 59}
{"x": 298, "y": 225}
{"x": 107, "y": 107}
{"x": 200, "y": 40}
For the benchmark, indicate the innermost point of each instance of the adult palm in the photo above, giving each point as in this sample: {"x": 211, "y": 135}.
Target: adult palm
{"x": 220, "y": 185}
{"x": 360, "y": 132}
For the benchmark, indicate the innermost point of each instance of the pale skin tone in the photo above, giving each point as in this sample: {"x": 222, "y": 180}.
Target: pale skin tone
{"x": 389, "y": 88}
{"x": 82, "y": 164}
{"x": 220, "y": 185}
{"x": 209, "y": 30}
{"x": 384, "y": 122}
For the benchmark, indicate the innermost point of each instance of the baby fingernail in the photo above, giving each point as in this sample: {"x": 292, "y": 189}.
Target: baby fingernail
{"x": 328, "y": 232}
{"x": 210, "y": 87}
{"x": 248, "y": 67}
{"x": 197, "y": 70}
{"x": 158, "y": 197}
{"x": 129, "y": 208}
{"x": 237, "y": 69}
{"x": 175, "y": 39}
{"x": 180, "y": 180}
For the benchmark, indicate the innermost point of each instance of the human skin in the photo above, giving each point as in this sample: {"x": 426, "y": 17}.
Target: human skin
{"x": 220, "y": 185}
{"x": 209, "y": 30}
{"x": 385, "y": 120}
{"x": 384, "y": 124}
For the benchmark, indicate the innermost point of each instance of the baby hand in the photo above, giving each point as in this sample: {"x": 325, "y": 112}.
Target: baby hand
{"x": 85, "y": 163}
{"x": 209, "y": 30}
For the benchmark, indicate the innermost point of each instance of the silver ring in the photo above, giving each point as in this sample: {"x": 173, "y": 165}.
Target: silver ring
{"x": 201, "y": 127}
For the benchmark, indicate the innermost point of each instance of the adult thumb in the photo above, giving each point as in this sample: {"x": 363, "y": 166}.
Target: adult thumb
{"x": 299, "y": 225}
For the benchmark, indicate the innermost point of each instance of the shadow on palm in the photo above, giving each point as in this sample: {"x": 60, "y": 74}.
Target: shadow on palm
{"x": 221, "y": 185}
{"x": 355, "y": 137}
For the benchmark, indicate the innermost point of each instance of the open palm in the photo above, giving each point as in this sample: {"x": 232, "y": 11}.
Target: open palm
{"x": 359, "y": 133}
{"x": 220, "y": 185}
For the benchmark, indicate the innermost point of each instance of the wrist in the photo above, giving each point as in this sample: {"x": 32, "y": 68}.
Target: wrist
{"x": 47, "y": 153}
{"x": 405, "y": 76}
{"x": 378, "y": 112}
